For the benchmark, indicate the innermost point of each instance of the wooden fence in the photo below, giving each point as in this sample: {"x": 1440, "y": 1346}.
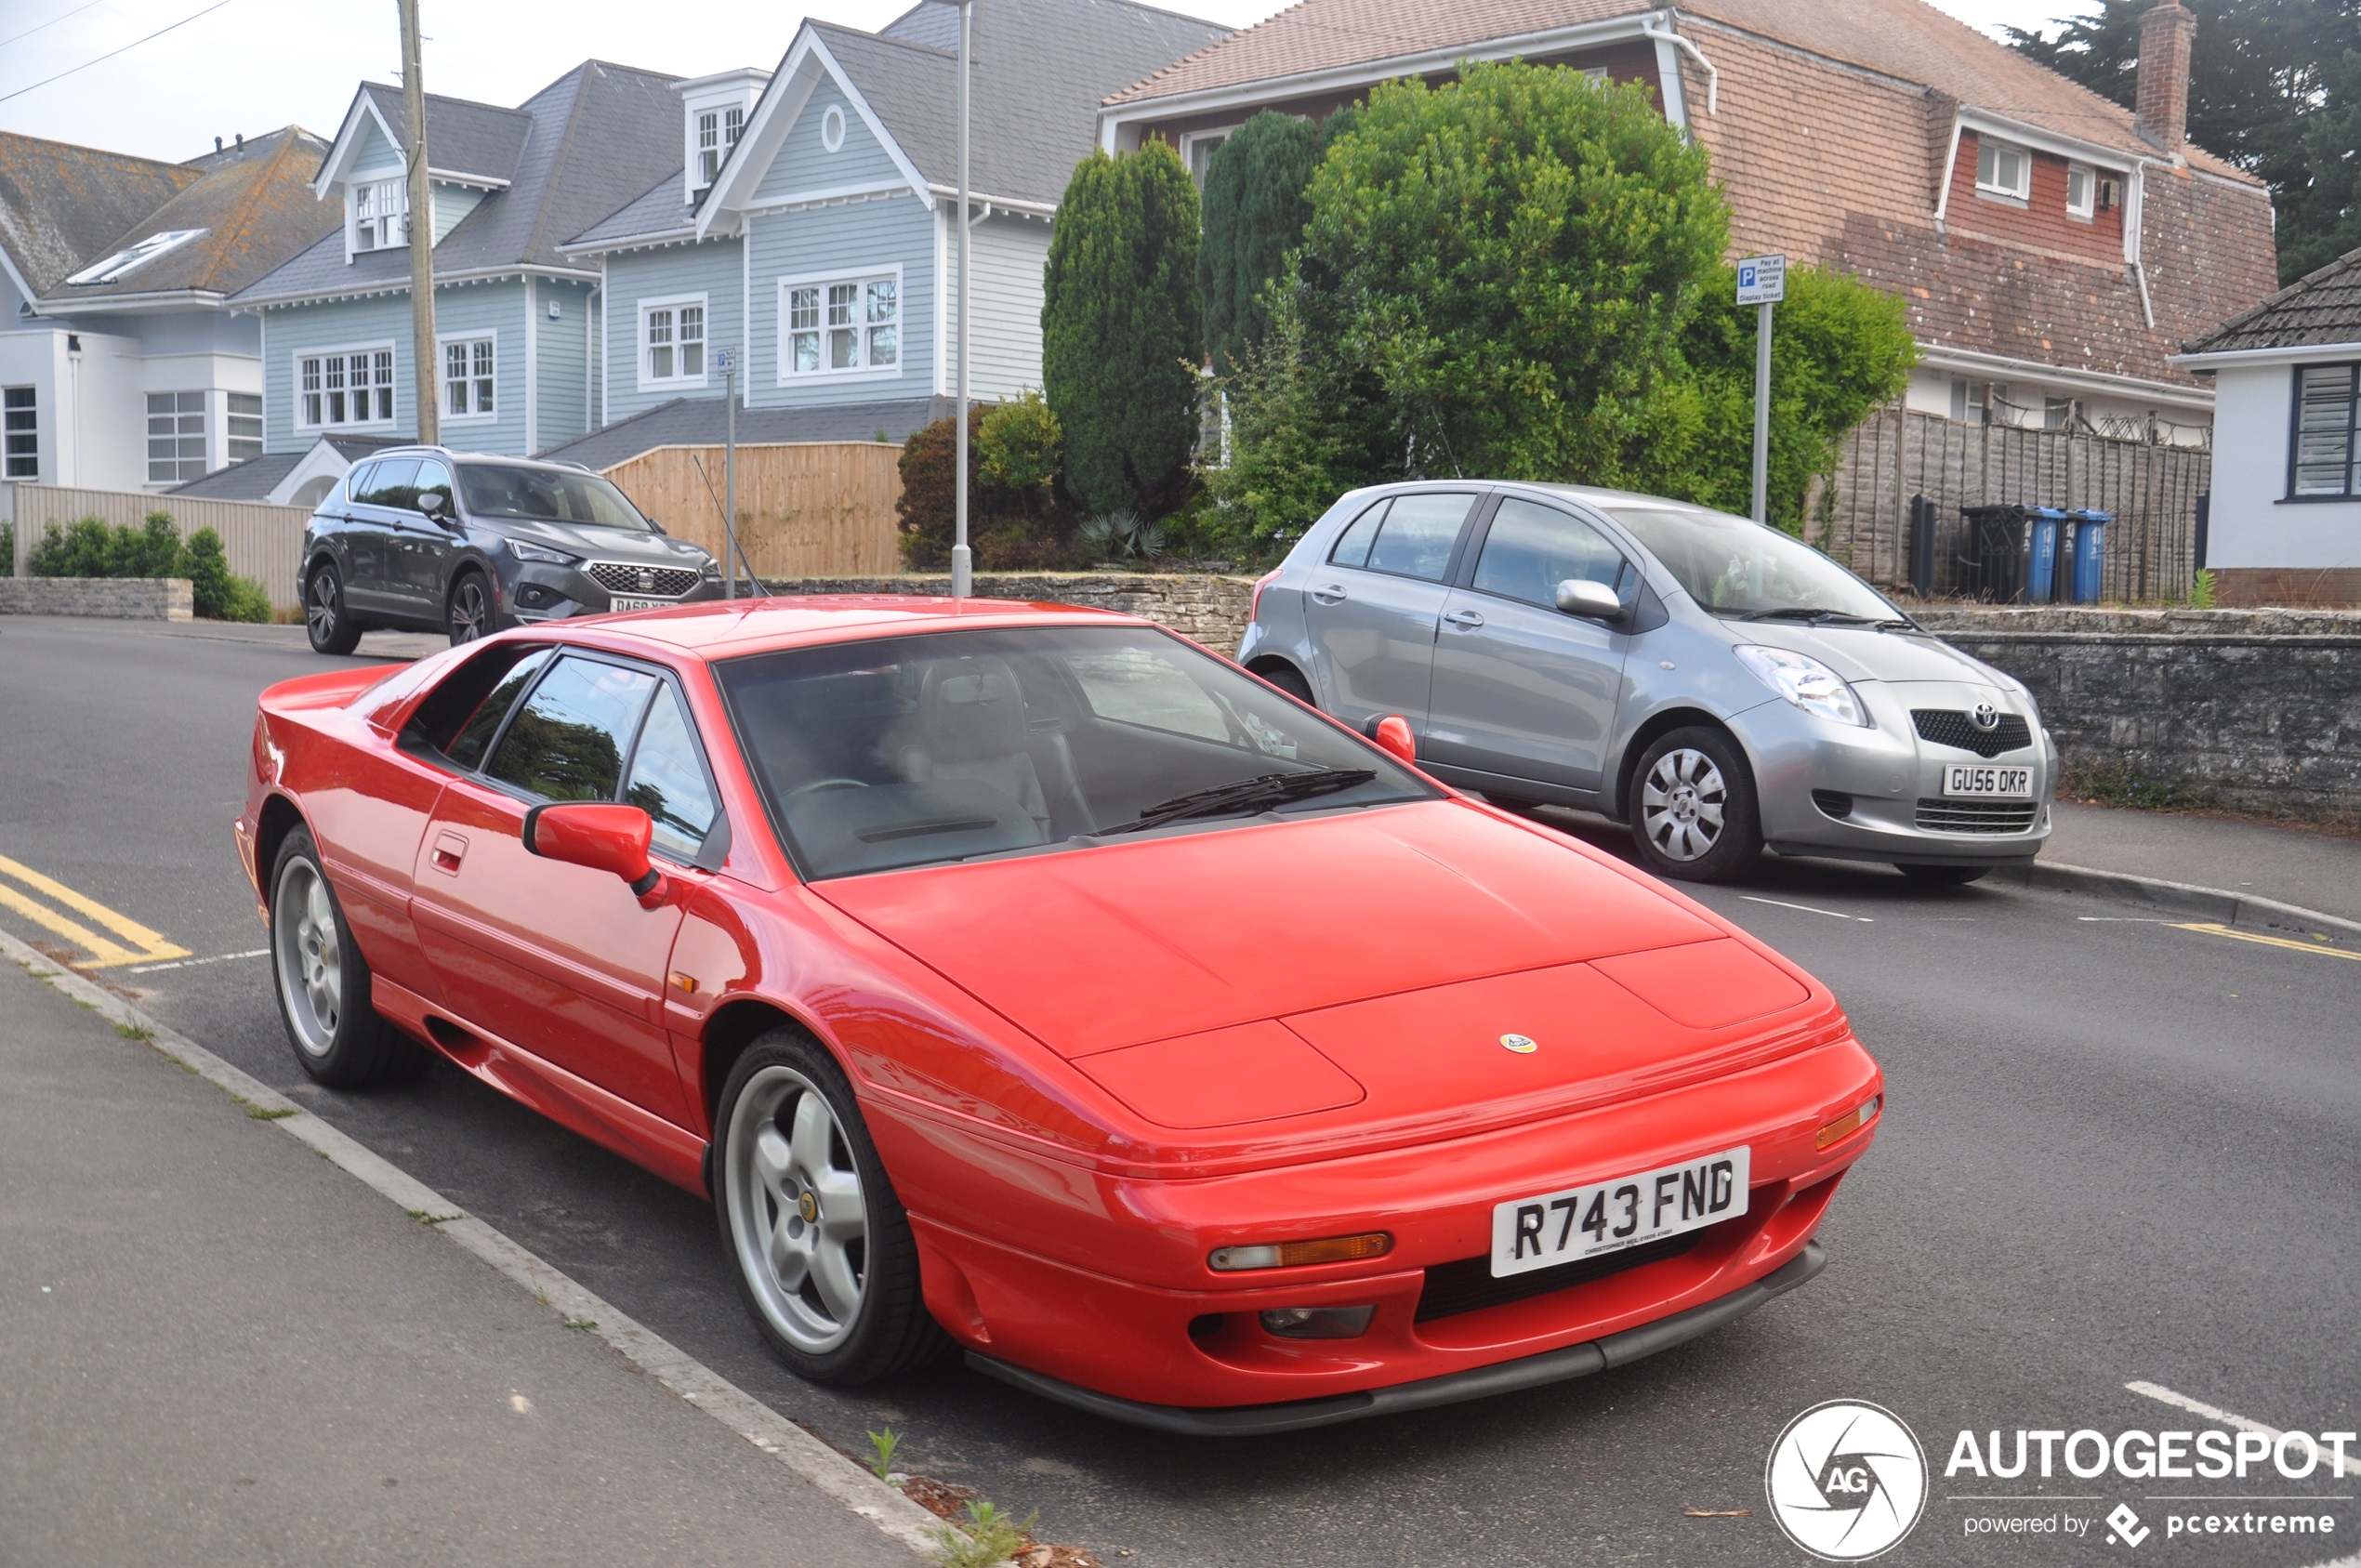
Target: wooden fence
{"x": 815, "y": 509}
{"x": 261, "y": 541}
{"x": 2151, "y": 492}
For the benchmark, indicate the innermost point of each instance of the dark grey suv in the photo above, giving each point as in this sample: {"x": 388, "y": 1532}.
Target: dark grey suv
{"x": 422, "y": 538}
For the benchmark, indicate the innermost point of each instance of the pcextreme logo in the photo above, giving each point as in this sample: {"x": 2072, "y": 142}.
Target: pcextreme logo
{"x": 1846, "y": 1480}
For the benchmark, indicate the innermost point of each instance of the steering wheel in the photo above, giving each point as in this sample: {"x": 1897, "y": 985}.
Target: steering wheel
{"x": 816, "y": 785}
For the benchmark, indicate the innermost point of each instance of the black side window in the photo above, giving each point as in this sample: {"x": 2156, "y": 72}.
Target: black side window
{"x": 357, "y": 483}
{"x": 432, "y": 476}
{"x": 391, "y": 484}
{"x": 465, "y": 698}
{"x": 668, "y": 781}
{"x": 568, "y": 740}
{"x": 467, "y": 748}
{"x": 1419, "y": 533}
{"x": 1352, "y": 544}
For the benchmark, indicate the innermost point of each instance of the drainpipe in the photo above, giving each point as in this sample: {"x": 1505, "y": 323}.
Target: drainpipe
{"x": 1712, "y": 77}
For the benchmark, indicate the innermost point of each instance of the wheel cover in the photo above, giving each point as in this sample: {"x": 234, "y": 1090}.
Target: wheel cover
{"x": 308, "y": 957}
{"x": 797, "y": 1218}
{"x": 1682, "y": 804}
{"x": 467, "y": 611}
{"x": 320, "y": 607}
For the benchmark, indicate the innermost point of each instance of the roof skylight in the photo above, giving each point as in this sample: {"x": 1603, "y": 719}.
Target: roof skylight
{"x": 132, "y": 258}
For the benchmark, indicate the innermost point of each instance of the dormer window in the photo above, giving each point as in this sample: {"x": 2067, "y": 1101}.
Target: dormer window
{"x": 718, "y": 133}
{"x": 2082, "y": 190}
{"x": 380, "y": 215}
{"x": 132, "y": 258}
{"x": 2003, "y": 171}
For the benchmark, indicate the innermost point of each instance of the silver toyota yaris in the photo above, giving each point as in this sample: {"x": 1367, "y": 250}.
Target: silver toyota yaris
{"x": 1718, "y": 684}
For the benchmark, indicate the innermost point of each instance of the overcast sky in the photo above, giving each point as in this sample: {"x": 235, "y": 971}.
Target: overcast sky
{"x": 252, "y": 66}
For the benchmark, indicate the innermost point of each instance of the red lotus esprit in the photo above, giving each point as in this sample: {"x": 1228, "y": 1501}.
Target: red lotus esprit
{"x": 1030, "y": 977}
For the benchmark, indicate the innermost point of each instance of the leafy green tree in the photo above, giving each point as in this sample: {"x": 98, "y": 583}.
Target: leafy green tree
{"x": 1255, "y": 210}
{"x": 1511, "y": 258}
{"x": 1121, "y": 332}
{"x": 1839, "y": 349}
{"x": 2262, "y": 75}
{"x": 2326, "y": 220}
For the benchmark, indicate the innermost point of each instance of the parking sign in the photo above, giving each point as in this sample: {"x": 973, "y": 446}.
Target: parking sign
{"x": 1762, "y": 280}
{"x": 724, "y": 360}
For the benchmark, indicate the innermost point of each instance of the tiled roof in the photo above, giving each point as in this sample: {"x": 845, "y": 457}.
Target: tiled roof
{"x": 256, "y": 478}
{"x": 2318, "y": 309}
{"x": 62, "y": 207}
{"x": 463, "y": 137}
{"x": 658, "y": 210}
{"x": 596, "y": 137}
{"x": 1906, "y": 39}
{"x": 699, "y": 422}
{"x": 256, "y": 209}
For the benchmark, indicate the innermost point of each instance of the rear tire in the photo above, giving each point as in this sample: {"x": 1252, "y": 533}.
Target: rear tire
{"x": 326, "y": 622}
{"x": 323, "y": 982}
{"x": 1693, "y": 809}
{"x": 824, "y": 1259}
{"x": 1287, "y": 678}
{"x": 1943, "y": 875}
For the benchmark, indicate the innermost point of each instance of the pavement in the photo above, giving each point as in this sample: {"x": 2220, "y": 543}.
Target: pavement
{"x": 2318, "y": 871}
{"x": 2116, "y": 1137}
{"x": 216, "y": 1347}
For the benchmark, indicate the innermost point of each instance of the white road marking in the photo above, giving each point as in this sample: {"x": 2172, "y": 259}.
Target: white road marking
{"x": 2352, "y": 1465}
{"x": 805, "y": 1455}
{"x": 193, "y": 963}
{"x": 1831, "y": 914}
{"x": 2121, "y": 920}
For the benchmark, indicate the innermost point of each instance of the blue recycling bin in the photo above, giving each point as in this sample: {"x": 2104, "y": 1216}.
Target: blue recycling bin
{"x": 2088, "y": 550}
{"x": 2046, "y": 526}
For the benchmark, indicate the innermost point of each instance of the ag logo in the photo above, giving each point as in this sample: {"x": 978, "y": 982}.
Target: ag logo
{"x": 1846, "y": 1480}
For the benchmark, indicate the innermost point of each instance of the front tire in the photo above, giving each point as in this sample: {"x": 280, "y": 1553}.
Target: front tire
{"x": 469, "y": 614}
{"x": 1943, "y": 875}
{"x": 824, "y": 1254}
{"x": 322, "y": 981}
{"x": 326, "y": 622}
{"x": 1693, "y": 809}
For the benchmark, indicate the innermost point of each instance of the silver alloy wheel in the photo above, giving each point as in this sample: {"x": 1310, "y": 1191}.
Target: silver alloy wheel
{"x": 320, "y": 607}
{"x": 470, "y": 612}
{"x": 797, "y": 1214}
{"x": 308, "y": 956}
{"x": 1681, "y": 805}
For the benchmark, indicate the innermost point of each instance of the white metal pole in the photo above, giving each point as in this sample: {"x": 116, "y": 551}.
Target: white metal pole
{"x": 962, "y": 562}
{"x": 1762, "y": 413}
{"x": 730, "y": 479}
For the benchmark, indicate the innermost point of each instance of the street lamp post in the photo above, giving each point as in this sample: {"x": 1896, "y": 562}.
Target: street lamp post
{"x": 962, "y": 560}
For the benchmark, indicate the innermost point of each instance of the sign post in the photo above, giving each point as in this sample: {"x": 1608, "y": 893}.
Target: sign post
{"x": 1762, "y": 283}
{"x": 726, "y": 361}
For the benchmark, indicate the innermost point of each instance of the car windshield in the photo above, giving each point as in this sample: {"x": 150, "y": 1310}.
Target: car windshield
{"x": 954, "y": 746}
{"x": 547, "y": 495}
{"x": 1735, "y": 567}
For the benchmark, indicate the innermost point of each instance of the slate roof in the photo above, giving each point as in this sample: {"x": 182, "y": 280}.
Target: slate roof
{"x": 1905, "y": 39}
{"x": 462, "y": 137}
{"x": 594, "y": 139}
{"x": 658, "y": 210}
{"x": 2317, "y": 309}
{"x": 698, "y": 422}
{"x": 256, "y": 478}
{"x": 62, "y": 207}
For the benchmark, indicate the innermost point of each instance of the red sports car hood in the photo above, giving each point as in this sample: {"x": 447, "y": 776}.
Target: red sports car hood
{"x": 1290, "y": 969}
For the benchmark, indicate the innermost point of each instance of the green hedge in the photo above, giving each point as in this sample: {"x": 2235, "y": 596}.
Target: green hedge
{"x": 90, "y": 548}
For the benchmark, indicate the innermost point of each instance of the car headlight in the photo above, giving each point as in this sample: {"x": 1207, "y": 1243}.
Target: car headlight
{"x": 712, "y": 569}
{"x": 543, "y": 554}
{"x": 1806, "y": 682}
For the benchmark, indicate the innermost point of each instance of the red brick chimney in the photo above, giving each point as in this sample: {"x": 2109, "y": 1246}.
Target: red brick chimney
{"x": 2165, "y": 34}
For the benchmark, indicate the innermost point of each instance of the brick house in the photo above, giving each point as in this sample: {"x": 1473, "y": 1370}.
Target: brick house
{"x": 2052, "y": 247}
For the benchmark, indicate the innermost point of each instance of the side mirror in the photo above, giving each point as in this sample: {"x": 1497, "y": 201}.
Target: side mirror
{"x": 1392, "y": 735}
{"x": 1594, "y": 601}
{"x": 431, "y": 504}
{"x": 604, "y": 837}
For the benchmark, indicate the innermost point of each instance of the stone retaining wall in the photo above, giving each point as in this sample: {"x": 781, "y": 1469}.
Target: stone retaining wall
{"x": 1208, "y": 609}
{"x": 2257, "y": 708}
{"x": 121, "y": 598}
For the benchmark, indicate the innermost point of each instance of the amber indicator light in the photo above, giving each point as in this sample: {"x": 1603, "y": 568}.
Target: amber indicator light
{"x": 1852, "y": 1121}
{"x": 1294, "y": 1255}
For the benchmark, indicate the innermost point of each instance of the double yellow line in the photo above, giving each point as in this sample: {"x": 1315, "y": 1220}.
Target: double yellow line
{"x": 145, "y": 946}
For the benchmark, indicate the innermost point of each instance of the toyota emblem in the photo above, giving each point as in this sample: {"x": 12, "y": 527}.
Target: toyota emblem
{"x": 1984, "y": 717}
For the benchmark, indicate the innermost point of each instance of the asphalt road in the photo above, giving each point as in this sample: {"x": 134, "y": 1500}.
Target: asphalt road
{"x": 2116, "y": 1150}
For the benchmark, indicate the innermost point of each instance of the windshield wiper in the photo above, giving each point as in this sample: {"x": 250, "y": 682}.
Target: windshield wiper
{"x": 1247, "y": 795}
{"x": 1809, "y": 614}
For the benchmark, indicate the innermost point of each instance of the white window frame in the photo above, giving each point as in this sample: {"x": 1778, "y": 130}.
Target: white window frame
{"x": 642, "y": 345}
{"x": 2088, "y": 209}
{"x": 831, "y": 128}
{"x": 864, "y": 371}
{"x": 444, "y": 344}
{"x": 240, "y": 427}
{"x": 378, "y": 181}
{"x": 2022, "y": 191}
{"x": 181, "y": 435}
{"x": 391, "y": 382}
{"x": 1190, "y": 142}
{"x": 705, "y": 130}
{"x": 20, "y": 433}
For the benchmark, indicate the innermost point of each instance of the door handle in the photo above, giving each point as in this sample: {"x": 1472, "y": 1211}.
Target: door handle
{"x": 1329, "y": 593}
{"x": 449, "y": 850}
{"x": 1467, "y": 620}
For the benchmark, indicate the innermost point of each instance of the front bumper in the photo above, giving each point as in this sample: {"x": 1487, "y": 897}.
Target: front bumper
{"x": 1889, "y": 778}
{"x": 1482, "y": 1382}
{"x": 531, "y": 592}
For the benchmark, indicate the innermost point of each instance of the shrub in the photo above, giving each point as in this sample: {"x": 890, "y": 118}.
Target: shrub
{"x": 1121, "y": 334}
{"x": 1009, "y": 528}
{"x": 1018, "y": 446}
{"x": 217, "y": 595}
{"x": 84, "y": 550}
{"x": 1255, "y": 210}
